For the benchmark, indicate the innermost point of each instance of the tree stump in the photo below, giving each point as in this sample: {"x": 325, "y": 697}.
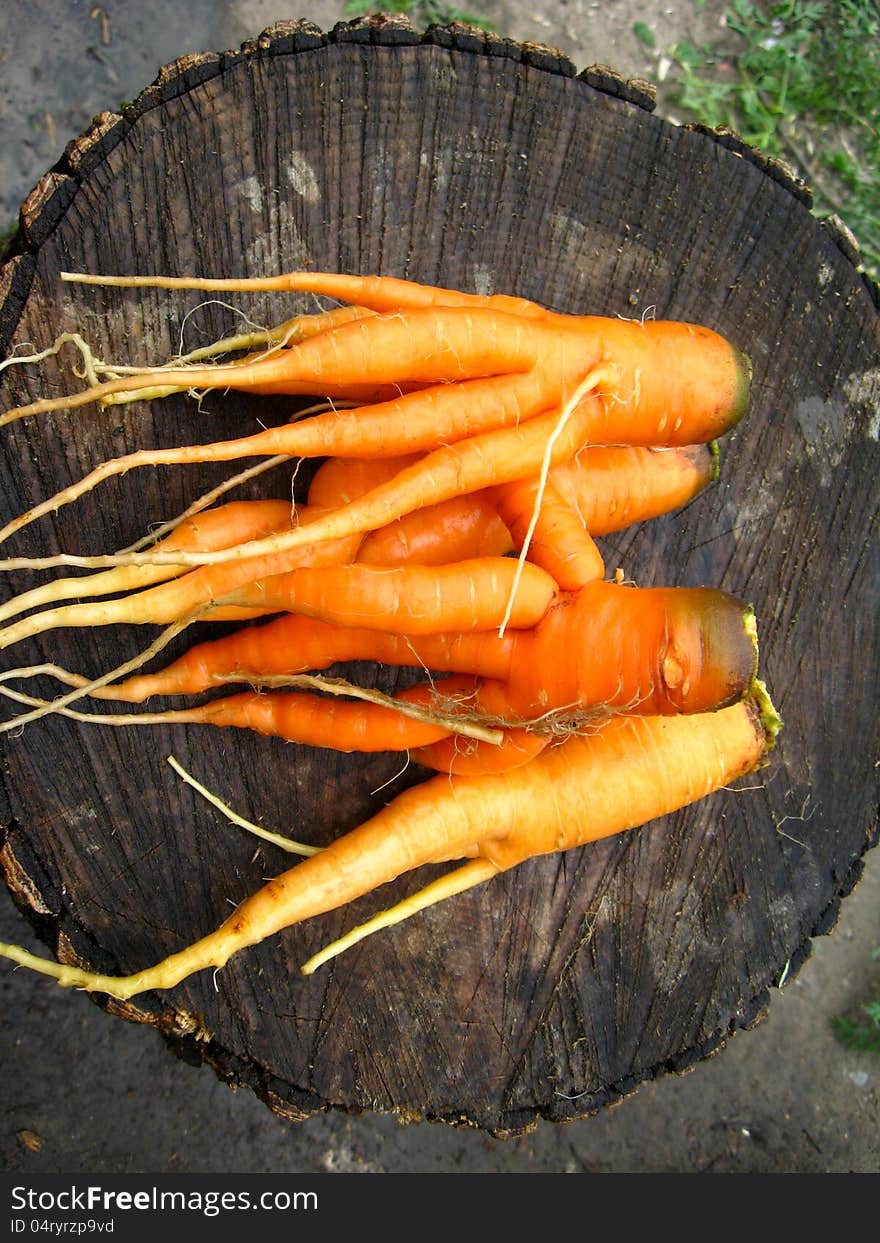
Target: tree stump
{"x": 462, "y": 159}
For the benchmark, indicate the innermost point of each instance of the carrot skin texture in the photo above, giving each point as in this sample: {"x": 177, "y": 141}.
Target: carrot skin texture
{"x": 560, "y": 542}
{"x": 624, "y": 775}
{"x": 613, "y": 487}
{"x": 312, "y": 720}
{"x": 408, "y": 599}
{"x": 651, "y": 650}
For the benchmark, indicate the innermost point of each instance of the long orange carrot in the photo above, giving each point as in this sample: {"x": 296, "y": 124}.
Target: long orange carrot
{"x": 531, "y": 362}
{"x": 551, "y": 530}
{"x": 453, "y": 470}
{"x": 408, "y": 599}
{"x": 233, "y": 523}
{"x": 607, "y": 487}
{"x": 626, "y": 774}
{"x": 378, "y": 293}
{"x": 657, "y": 649}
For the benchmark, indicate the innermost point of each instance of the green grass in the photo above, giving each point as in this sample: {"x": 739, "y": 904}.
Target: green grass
{"x": 799, "y": 80}
{"x": 422, "y": 12}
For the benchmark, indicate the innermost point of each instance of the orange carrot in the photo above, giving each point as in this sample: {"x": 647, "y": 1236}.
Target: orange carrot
{"x": 233, "y": 523}
{"x": 612, "y": 487}
{"x": 517, "y": 364}
{"x": 607, "y": 487}
{"x": 315, "y": 720}
{"x": 410, "y": 599}
{"x": 481, "y": 461}
{"x": 470, "y": 595}
{"x": 295, "y": 644}
{"x": 628, "y": 773}
{"x": 455, "y": 530}
{"x": 378, "y": 293}
{"x": 188, "y": 593}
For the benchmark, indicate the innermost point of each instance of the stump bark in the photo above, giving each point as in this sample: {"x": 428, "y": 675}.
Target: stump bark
{"x": 456, "y": 158}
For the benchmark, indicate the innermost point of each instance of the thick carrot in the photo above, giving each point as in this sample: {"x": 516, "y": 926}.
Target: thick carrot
{"x": 409, "y": 599}
{"x": 532, "y": 362}
{"x": 607, "y": 487}
{"x": 624, "y": 775}
{"x": 634, "y": 649}
{"x": 607, "y": 647}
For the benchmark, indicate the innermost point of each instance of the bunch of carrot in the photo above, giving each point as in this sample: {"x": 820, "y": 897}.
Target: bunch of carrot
{"x": 475, "y": 446}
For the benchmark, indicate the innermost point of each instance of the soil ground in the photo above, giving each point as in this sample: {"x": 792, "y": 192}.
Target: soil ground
{"x": 784, "y": 1097}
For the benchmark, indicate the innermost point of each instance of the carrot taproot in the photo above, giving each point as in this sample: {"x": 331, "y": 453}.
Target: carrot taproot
{"x": 377, "y": 293}
{"x": 424, "y": 345}
{"x": 624, "y": 775}
{"x": 408, "y": 599}
{"x": 551, "y": 530}
{"x": 187, "y": 593}
{"x": 616, "y": 486}
{"x": 480, "y": 461}
{"x": 607, "y": 487}
{"x": 636, "y": 651}
{"x": 312, "y": 720}
{"x": 229, "y": 524}
{"x": 294, "y": 644}
{"x": 341, "y": 717}
{"x": 627, "y": 649}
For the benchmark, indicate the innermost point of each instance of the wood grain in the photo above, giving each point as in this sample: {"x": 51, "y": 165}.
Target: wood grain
{"x": 470, "y": 161}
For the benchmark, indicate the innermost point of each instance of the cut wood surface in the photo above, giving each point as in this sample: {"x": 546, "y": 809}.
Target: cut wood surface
{"x": 464, "y": 160}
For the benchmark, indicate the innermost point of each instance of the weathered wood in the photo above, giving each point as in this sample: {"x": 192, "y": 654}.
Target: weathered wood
{"x": 461, "y": 159}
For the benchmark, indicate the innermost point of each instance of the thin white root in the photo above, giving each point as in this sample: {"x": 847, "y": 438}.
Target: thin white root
{"x": 92, "y": 366}
{"x": 475, "y": 872}
{"x": 202, "y": 502}
{"x": 284, "y": 843}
